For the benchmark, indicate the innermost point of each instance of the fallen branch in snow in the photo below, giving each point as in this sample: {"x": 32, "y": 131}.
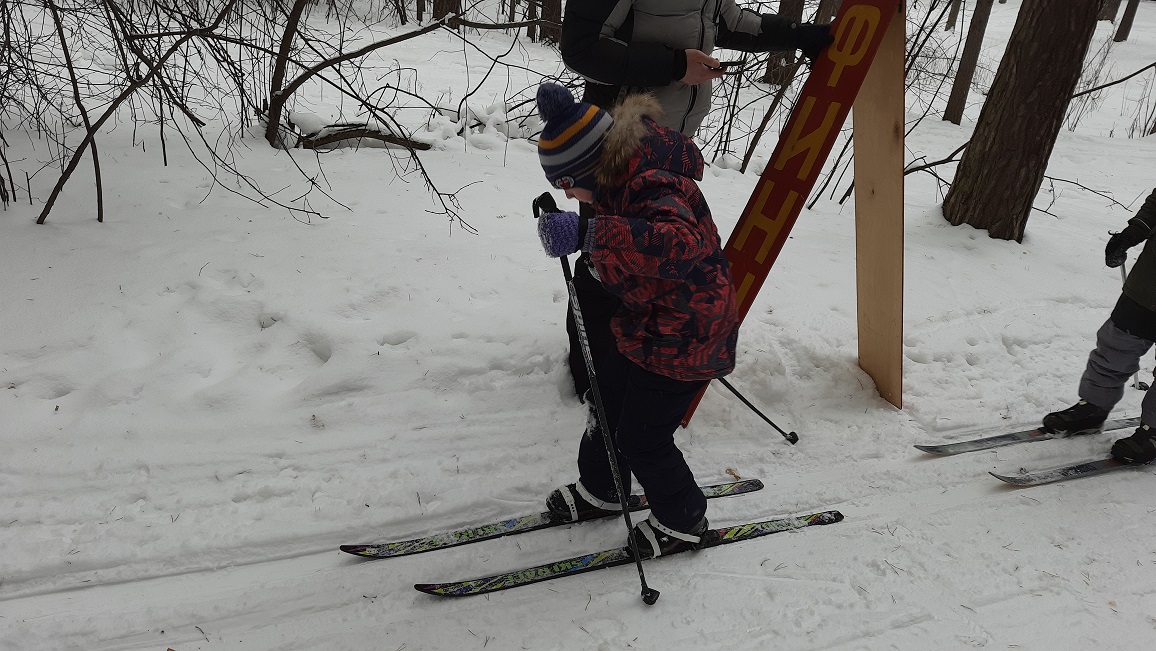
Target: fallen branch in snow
{"x": 1113, "y": 83}
{"x": 1084, "y": 187}
{"x": 338, "y": 132}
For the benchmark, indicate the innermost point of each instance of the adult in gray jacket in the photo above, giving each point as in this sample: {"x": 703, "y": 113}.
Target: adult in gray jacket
{"x": 1120, "y": 343}
{"x": 663, "y": 47}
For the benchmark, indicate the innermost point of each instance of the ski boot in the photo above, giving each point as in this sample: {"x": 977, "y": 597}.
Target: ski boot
{"x": 655, "y": 539}
{"x": 1081, "y": 418}
{"x": 573, "y": 502}
{"x": 1140, "y": 448}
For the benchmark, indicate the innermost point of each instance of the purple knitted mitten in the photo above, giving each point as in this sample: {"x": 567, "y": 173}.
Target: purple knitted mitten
{"x": 559, "y": 233}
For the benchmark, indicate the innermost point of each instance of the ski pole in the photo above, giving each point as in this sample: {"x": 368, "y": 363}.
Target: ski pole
{"x": 791, "y": 437}
{"x": 649, "y": 595}
{"x": 1136, "y": 383}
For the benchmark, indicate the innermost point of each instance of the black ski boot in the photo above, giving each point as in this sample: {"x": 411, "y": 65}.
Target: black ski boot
{"x": 655, "y": 539}
{"x": 573, "y": 502}
{"x": 1140, "y": 448}
{"x": 1081, "y": 418}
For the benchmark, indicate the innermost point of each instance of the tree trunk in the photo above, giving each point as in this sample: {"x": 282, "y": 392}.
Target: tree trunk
{"x": 67, "y": 54}
{"x": 1126, "y": 22}
{"x": 1109, "y": 9}
{"x": 420, "y": 10}
{"x": 827, "y": 10}
{"x": 551, "y": 31}
{"x": 1003, "y": 167}
{"x": 277, "y": 98}
{"x": 966, "y": 71}
{"x": 781, "y": 64}
{"x": 953, "y": 16}
{"x": 531, "y": 14}
{"x": 443, "y": 8}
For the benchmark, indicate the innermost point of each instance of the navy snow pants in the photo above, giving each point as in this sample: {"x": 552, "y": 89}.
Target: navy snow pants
{"x": 643, "y": 409}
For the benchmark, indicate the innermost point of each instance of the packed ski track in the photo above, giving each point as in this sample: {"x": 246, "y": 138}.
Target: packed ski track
{"x": 203, "y": 398}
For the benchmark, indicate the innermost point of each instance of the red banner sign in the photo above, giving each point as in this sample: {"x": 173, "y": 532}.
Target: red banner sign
{"x": 803, "y": 146}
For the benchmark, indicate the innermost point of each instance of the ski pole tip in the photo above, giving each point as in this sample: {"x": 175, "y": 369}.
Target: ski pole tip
{"x": 792, "y": 438}
{"x": 649, "y": 596}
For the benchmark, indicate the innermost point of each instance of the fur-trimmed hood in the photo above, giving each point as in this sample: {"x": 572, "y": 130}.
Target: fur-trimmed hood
{"x": 636, "y": 143}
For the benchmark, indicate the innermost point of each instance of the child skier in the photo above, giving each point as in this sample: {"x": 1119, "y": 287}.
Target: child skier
{"x": 654, "y": 244}
{"x": 1120, "y": 343}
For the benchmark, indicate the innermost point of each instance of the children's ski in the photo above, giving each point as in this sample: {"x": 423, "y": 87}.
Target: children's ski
{"x": 1011, "y": 438}
{"x": 1071, "y": 471}
{"x": 521, "y": 524}
{"x": 616, "y": 557}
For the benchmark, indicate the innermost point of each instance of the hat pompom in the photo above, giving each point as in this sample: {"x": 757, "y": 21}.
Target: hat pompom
{"x": 553, "y": 101}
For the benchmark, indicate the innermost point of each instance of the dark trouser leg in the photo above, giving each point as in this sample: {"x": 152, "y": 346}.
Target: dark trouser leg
{"x": 644, "y": 410}
{"x": 1111, "y": 365}
{"x": 598, "y": 307}
{"x": 1148, "y": 406}
{"x": 1139, "y": 322}
{"x": 593, "y": 463}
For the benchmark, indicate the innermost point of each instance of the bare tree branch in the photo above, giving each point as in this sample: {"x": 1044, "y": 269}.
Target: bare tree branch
{"x": 128, "y": 92}
{"x": 1113, "y": 83}
{"x": 80, "y": 106}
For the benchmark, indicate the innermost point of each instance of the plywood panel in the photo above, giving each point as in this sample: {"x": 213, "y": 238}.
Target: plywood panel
{"x": 878, "y": 133}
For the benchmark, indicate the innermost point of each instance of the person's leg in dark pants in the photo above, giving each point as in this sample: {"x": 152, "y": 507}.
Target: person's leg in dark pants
{"x": 644, "y": 410}
{"x": 1113, "y": 362}
{"x": 1120, "y": 344}
{"x": 593, "y": 463}
{"x": 652, "y": 410}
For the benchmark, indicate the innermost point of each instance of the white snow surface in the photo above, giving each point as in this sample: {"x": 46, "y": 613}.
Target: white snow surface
{"x": 203, "y": 397}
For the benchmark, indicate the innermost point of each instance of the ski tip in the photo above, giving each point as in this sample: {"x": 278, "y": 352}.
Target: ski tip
{"x": 1073, "y": 471}
{"x": 756, "y": 484}
{"x": 1015, "y": 480}
{"x": 361, "y": 551}
{"x": 824, "y": 517}
{"x": 930, "y": 449}
{"x": 436, "y": 589}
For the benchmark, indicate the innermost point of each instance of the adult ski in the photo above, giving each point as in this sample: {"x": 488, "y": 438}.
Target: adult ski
{"x": 616, "y": 557}
{"x": 1070, "y": 471}
{"x": 1011, "y": 438}
{"x": 522, "y": 524}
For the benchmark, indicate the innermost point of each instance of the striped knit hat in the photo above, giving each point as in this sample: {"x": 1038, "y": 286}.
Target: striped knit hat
{"x": 571, "y": 143}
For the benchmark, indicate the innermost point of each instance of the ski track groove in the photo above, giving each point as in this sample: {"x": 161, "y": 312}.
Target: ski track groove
{"x": 934, "y": 486}
{"x": 854, "y": 508}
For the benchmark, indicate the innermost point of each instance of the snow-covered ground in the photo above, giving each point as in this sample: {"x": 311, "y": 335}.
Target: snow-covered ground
{"x": 202, "y": 398}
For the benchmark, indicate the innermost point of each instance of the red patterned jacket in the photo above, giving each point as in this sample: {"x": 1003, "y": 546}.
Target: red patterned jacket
{"x": 654, "y": 244}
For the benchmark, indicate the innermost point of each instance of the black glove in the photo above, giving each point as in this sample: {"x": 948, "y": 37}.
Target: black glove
{"x": 1117, "y": 250}
{"x": 812, "y": 39}
{"x": 544, "y": 203}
